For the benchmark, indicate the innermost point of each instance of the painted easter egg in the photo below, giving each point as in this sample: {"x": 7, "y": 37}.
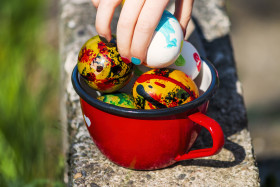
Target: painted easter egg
{"x": 102, "y": 66}
{"x": 166, "y": 42}
{"x": 163, "y": 88}
{"x": 188, "y": 61}
{"x": 118, "y": 99}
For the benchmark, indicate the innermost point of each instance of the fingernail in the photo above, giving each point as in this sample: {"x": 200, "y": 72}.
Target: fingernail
{"x": 112, "y": 43}
{"x": 103, "y": 39}
{"x": 135, "y": 61}
{"x": 125, "y": 60}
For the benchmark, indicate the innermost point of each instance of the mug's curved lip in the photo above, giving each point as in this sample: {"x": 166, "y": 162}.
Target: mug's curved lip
{"x": 127, "y": 112}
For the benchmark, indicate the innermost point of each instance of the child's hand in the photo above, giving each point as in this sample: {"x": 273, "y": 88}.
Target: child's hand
{"x": 137, "y": 23}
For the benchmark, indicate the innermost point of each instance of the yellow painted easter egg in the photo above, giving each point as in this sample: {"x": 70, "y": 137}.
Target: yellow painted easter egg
{"x": 163, "y": 88}
{"x": 102, "y": 66}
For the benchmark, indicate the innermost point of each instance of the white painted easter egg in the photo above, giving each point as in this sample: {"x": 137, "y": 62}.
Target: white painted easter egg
{"x": 188, "y": 61}
{"x": 166, "y": 43}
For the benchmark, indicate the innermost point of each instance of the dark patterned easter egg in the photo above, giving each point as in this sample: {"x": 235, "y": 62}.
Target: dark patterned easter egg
{"x": 102, "y": 66}
{"x": 163, "y": 88}
{"x": 118, "y": 99}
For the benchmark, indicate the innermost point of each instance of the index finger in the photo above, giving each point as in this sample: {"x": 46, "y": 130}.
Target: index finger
{"x": 104, "y": 16}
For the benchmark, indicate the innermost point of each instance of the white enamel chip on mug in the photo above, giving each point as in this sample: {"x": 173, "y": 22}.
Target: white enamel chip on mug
{"x": 87, "y": 120}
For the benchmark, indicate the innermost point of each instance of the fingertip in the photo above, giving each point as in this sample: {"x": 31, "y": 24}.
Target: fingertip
{"x": 126, "y": 60}
{"x": 123, "y": 46}
{"x": 103, "y": 31}
{"x": 183, "y": 12}
{"x": 95, "y": 3}
{"x": 138, "y": 55}
{"x": 124, "y": 55}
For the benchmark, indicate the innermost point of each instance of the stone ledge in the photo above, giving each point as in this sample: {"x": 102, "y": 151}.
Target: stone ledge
{"x": 233, "y": 166}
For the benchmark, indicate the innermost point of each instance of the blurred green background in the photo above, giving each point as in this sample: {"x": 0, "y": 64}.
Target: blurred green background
{"x": 30, "y": 133}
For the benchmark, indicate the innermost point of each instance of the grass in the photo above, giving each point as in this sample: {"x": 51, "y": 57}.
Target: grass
{"x": 29, "y": 128}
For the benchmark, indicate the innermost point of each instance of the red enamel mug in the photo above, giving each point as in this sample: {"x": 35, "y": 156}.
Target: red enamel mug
{"x": 151, "y": 139}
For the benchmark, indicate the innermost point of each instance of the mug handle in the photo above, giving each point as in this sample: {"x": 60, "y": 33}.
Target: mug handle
{"x": 216, "y": 133}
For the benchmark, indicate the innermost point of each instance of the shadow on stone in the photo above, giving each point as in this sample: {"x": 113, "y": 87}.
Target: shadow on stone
{"x": 227, "y": 105}
{"x": 237, "y": 151}
{"x": 269, "y": 171}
